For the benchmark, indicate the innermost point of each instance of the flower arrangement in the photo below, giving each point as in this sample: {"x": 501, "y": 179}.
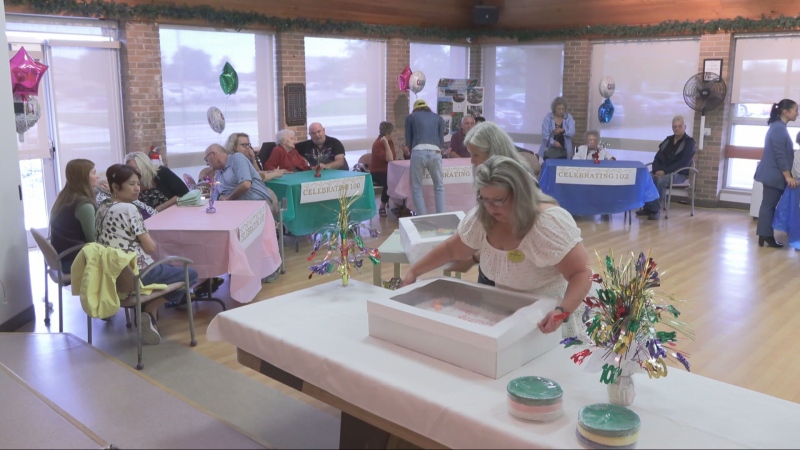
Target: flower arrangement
{"x": 346, "y": 249}
{"x": 620, "y": 323}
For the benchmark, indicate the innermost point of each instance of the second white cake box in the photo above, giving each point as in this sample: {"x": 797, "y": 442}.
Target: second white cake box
{"x": 481, "y": 328}
{"x": 420, "y": 234}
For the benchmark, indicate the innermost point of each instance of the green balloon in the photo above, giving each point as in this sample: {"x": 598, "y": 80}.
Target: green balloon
{"x": 229, "y": 80}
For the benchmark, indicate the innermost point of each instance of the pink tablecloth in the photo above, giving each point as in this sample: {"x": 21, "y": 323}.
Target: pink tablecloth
{"x": 221, "y": 243}
{"x": 458, "y": 192}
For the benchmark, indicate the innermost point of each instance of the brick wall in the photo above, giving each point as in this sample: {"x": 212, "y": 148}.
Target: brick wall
{"x": 398, "y": 56}
{"x": 711, "y": 159}
{"x": 577, "y": 70}
{"x": 142, "y": 95}
{"x": 290, "y": 66}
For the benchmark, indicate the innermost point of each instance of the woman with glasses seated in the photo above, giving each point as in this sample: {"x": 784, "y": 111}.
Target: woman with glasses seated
{"x": 161, "y": 188}
{"x": 592, "y": 149}
{"x": 526, "y": 241}
{"x": 240, "y": 143}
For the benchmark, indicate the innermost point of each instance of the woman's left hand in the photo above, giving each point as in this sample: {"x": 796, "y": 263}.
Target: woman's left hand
{"x": 792, "y": 182}
{"x": 551, "y": 322}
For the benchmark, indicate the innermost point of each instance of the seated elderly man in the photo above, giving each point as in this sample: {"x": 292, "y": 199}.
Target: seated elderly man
{"x": 329, "y": 149}
{"x": 238, "y": 180}
{"x": 457, "y": 148}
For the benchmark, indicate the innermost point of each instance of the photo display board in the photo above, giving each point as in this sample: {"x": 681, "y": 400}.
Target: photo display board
{"x": 455, "y": 98}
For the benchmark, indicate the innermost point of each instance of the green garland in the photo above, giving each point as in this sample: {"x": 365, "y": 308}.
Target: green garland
{"x": 240, "y": 19}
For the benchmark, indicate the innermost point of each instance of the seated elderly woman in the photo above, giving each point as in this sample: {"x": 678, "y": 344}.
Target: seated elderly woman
{"x": 285, "y": 156}
{"x": 120, "y": 225}
{"x": 240, "y": 143}
{"x": 161, "y": 188}
{"x": 102, "y": 192}
{"x": 592, "y": 149}
{"x": 527, "y": 242}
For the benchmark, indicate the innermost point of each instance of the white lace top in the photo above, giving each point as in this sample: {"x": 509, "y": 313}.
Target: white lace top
{"x": 553, "y": 235}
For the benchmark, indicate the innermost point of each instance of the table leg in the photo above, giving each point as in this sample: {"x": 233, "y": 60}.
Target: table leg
{"x": 376, "y": 274}
{"x": 397, "y": 270}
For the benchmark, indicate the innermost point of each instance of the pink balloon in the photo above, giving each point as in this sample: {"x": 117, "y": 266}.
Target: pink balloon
{"x": 403, "y": 77}
{"x": 26, "y": 73}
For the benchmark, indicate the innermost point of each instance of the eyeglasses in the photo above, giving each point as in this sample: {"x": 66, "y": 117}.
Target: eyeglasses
{"x": 496, "y": 202}
{"x": 206, "y": 157}
{"x": 247, "y": 145}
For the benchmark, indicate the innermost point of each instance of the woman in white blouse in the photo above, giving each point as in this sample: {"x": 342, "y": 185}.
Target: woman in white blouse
{"x": 592, "y": 147}
{"x": 536, "y": 249}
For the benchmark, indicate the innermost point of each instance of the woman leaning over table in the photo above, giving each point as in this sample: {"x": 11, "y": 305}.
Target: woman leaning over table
{"x": 774, "y": 170}
{"x": 161, "y": 188}
{"x": 558, "y": 127}
{"x": 285, "y": 156}
{"x": 536, "y": 249}
{"x": 120, "y": 225}
{"x": 382, "y": 153}
{"x": 72, "y": 216}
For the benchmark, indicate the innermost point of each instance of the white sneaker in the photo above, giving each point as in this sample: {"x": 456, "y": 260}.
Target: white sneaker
{"x": 150, "y": 334}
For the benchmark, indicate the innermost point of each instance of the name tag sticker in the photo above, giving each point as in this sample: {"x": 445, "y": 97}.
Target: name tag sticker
{"x": 516, "y": 256}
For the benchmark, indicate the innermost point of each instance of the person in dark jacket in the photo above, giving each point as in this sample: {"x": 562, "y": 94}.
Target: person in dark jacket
{"x": 674, "y": 152}
{"x": 774, "y": 170}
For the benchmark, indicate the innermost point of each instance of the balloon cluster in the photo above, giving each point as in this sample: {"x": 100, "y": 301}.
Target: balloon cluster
{"x": 620, "y": 322}
{"x": 606, "y": 110}
{"x": 229, "y": 82}
{"x": 26, "y": 74}
{"x": 343, "y": 242}
{"x": 413, "y": 81}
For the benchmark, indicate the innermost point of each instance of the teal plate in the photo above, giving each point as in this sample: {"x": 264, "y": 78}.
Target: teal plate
{"x": 609, "y": 420}
{"x": 534, "y": 391}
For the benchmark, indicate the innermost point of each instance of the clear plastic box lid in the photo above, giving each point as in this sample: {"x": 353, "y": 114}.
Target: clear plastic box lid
{"x": 433, "y": 226}
{"x": 463, "y": 301}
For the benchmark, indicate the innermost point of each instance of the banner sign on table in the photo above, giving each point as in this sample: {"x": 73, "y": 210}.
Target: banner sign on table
{"x": 318, "y": 191}
{"x": 451, "y": 175}
{"x": 456, "y": 97}
{"x": 606, "y": 176}
{"x": 252, "y": 228}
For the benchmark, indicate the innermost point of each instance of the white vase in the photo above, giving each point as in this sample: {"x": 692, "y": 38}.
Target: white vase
{"x": 621, "y": 391}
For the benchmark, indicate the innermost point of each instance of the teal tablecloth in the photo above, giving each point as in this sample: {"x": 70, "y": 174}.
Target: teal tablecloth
{"x": 302, "y": 219}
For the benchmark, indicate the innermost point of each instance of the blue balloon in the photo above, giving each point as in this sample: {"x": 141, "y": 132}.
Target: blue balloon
{"x": 606, "y": 111}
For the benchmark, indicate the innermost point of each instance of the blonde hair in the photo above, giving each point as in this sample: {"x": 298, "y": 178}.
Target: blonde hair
{"x": 233, "y": 139}
{"x": 489, "y": 138}
{"x": 509, "y": 174}
{"x": 147, "y": 171}
{"x": 77, "y": 189}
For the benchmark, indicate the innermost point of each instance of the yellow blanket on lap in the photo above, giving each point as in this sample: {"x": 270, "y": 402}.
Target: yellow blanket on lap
{"x": 94, "y": 278}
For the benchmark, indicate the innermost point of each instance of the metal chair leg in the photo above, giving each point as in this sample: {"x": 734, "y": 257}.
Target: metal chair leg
{"x": 89, "y": 328}
{"x": 46, "y": 298}
{"x": 60, "y": 304}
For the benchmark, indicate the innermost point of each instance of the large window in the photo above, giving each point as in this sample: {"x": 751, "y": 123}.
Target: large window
{"x": 345, "y": 89}
{"x": 436, "y": 62}
{"x": 649, "y": 78}
{"x": 765, "y": 70}
{"x": 191, "y": 62}
{"x": 520, "y": 83}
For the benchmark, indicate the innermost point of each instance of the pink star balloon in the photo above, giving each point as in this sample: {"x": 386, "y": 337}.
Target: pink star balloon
{"x": 26, "y": 73}
{"x": 403, "y": 77}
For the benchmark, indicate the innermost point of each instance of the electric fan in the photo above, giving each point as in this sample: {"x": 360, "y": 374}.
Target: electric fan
{"x": 704, "y": 92}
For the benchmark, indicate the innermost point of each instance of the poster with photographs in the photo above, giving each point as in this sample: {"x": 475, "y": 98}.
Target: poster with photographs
{"x": 455, "y": 99}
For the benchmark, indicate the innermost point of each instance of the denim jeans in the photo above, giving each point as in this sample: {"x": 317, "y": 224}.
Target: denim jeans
{"x": 170, "y": 274}
{"x": 430, "y": 160}
{"x": 662, "y": 184}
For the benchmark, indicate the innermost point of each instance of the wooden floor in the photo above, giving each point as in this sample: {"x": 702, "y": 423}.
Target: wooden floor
{"x": 742, "y": 300}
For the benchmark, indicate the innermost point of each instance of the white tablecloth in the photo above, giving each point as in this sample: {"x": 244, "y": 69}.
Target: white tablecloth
{"x": 320, "y": 334}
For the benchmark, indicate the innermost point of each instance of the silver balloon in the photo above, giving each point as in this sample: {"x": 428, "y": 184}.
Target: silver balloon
{"x": 30, "y": 115}
{"x": 216, "y": 120}
{"x": 416, "y": 82}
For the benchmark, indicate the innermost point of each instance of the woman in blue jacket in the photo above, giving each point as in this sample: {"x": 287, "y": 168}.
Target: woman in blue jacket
{"x": 558, "y": 127}
{"x": 774, "y": 170}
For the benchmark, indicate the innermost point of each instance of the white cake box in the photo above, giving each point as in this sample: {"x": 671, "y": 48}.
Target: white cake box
{"x": 401, "y": 317}
{"x": 420, "y": 234}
